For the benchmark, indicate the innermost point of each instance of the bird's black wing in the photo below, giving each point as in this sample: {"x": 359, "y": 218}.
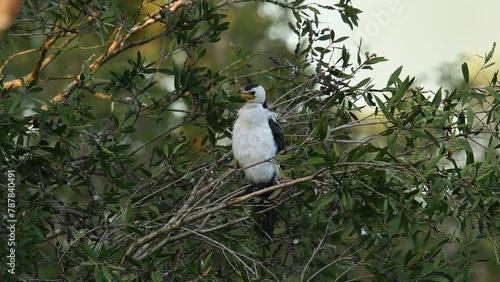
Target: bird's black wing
{"x": 279, "y": 138}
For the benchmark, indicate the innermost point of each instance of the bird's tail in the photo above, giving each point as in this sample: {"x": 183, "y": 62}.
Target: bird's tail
{"x": 264, "y": 216}
{"x": 264, "y": 220}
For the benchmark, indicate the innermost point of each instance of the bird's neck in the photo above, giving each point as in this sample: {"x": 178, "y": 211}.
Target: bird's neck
{"x": 254, "y": 105}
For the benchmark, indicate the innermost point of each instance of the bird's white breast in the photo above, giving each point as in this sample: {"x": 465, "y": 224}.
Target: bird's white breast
{"x": 253, "y": 142}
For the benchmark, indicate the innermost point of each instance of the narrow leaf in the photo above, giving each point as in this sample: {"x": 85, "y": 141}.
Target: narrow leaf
{"x": 465, "y": 72}
{"x": 323, "y": 201}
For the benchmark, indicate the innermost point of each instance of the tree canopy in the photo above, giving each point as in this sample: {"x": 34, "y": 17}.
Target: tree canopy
{"x": 117, "y": 166}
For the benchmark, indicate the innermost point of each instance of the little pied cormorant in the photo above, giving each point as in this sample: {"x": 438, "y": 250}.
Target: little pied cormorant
{"x": 257, "y": 136}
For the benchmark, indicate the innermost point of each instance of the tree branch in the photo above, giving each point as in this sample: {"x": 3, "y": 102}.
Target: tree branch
{"x": 176, "y": 224}
{"x": 33, "y": 75}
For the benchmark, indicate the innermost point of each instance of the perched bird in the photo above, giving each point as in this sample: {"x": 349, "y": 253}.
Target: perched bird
{"x": 257, "y": 137}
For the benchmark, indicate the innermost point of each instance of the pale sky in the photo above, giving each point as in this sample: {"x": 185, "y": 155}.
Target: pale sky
{"x": 421, "y": 35}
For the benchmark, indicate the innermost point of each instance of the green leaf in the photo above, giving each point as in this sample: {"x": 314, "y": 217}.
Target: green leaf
{"x": 127, "y": 214}
{"x": 493, "y": 81}
{"x": 319, "y": 149}
{"x": 133, "y": 261}
{"x": 340, "y": 39}
{"x": 463, "y": 142}
{"x": 202, "y": 53}
{"x": 314, "y": 10}
{"x": 439, "y": 277}
{"x": 346, "y": 231}
{"x": 86, "y": 249}
{"x": 156, "y": 276}
{"x": 394, "y": 225}
{"x": 419, "y": 133}
{"x": 432, "y": 164}
{"x": 282, "y": 158}
{"x": 437, "y": 98}
{"x": 180, "y": 146}
{"x": 97, "y": 274}
{"x": 154, "y": 209}
{"x": 493, "y": 93}
{"x": 400, "y": 91}
{"x": 336, "y": 150}
{"x": 205, "y": 264}
{"x": 35, "y": 90}
{"x": 345, "y": 199}
{"x": 394, "y": 78}
{"x": 465, "y": 72}
{"x": 363, "y": 82}
{"x": 409, "y": 255}
{"x": 432, "y": 137}
{"x": 323, "y": 201}
{"x": 156, "y": 170}
{"x": 470, "y": 116}
{"x": 375, "y": 60}
{"x": 315, "y": 160}
{"x": 106, "y": 273}
{"x": 319, "y": 130}
{"x": 166, "y": 71}
{"x": 166, "y": 150}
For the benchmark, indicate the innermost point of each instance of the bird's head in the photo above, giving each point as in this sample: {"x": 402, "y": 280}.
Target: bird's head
{"x": 254, "y": 93}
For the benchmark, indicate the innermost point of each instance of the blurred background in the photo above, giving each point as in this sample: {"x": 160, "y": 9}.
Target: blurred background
{"x": 431, "y": 39}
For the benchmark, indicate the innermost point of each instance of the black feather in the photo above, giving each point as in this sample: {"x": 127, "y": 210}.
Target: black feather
{"x": 279, "y": 138}
{"x": 264, "y": 220}
{"x": 251, "y": 86}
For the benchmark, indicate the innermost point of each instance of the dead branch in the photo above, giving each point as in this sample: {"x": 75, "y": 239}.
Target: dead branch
{"x": 178, "y": 223}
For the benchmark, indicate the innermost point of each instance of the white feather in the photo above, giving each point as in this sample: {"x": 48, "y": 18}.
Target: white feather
{"x": 253, "y": 142}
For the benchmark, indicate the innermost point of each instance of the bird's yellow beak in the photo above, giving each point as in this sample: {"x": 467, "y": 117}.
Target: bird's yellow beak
{"x": 247, "y": 97}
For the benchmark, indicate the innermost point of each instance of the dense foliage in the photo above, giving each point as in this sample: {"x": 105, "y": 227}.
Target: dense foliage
{"x": 116, "y": 118}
